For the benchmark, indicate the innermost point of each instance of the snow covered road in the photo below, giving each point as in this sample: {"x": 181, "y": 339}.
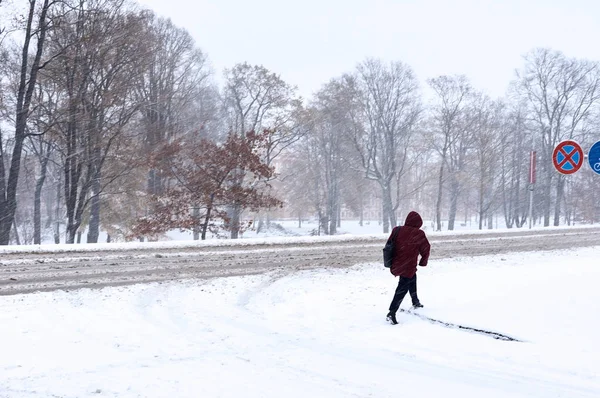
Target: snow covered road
{"x": 315, "y": 333}
{"x": 47, "y": 268}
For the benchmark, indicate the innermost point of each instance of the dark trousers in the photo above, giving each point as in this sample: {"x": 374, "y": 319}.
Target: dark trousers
{"x": 404, "y": 285}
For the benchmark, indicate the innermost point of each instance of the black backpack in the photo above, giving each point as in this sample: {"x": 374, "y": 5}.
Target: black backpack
{"x": 388, "y": 249}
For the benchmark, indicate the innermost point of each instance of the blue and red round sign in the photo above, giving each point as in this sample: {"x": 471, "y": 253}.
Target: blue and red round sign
{"x": 568, "y": 157}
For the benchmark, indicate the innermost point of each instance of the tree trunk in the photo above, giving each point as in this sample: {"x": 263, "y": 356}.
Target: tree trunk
{"x": 57, "y": 214}
{"x": 72, "y": 170}
{"x": 386, "y": 198}
{"x": 17, "y": 239}
{"x": 94, "y": 227}
{"x": 71, "y": 233}
{"x": 37, "y": 204}
{"x": 453, "y": 204}
{"x": 361, "y": 210}
{"x": 48, "y": 199}
{"x": 196, "y": 229}
{"x": 234, "y": 222}
{"x": 236, "y": 211}
{"x": 9, "y": 205}
{"x": 323, "y": 223}
{"x": 154, "y": 182}
{"x": 481, "y": 188}
{"x": 27, "y": 82}
{"x": 332, "y": 207}
{"x": 207, "y": 218}
{"x": 547, "y": 205}
{"x": 438, "y": 204}
{"x": 261, "y": 223}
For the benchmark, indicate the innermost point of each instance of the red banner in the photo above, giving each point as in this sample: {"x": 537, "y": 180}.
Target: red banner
{"x": 532, "y": 164}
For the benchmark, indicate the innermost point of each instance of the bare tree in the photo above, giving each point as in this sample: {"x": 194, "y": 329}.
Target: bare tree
{"x": 2, "y": 29}
{"x": 168, "y": 86}
{"x": 45, "y": 115}
{"x": 100, "y": 54}
{"x": 256, "y": 99}
{"x": 35, "y": 31}
{"x": 516, "y": 144}
{"x": 390, "y": 109}
{"x": 327, "y": 133}
{"x": 561, "y": 94}
{"x": 111, "y": 103}
{"x": 448, "y": 123}
{"x": 43, "y": 150}
{"x": 486, "y": 126}
{"x": 295, "y": 184}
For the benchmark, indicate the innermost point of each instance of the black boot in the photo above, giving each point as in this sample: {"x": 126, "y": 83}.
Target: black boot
{"x": 391, "y": 317}
{"x": 418, "y": 305}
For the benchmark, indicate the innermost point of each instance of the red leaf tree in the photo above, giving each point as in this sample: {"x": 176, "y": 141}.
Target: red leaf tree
{"x": 205, "y": 180}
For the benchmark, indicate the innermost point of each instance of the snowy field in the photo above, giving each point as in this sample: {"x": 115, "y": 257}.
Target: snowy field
{"x": 317, "y": 333}
{"x": 286, "y": 232}
{"x": 288, "y": 228}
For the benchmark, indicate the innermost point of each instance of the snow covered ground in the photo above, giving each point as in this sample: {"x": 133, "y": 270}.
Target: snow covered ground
{"x": 289, "y": 227}
{"x": 318, "y": 333}
{"x": 349, "y": 231}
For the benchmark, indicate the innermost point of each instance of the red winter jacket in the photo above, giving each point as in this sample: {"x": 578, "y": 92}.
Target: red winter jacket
{"x": 410, "y": 242}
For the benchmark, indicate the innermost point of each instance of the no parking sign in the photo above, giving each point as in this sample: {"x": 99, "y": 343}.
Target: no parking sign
{"x": 568, "y": 157}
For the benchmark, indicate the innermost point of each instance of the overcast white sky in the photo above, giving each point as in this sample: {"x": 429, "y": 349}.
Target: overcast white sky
{"x": 309, "y": 42}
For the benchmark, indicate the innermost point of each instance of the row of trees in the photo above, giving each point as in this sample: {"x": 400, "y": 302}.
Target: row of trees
{"x": 460, "y": 148}
{"x": 110, "y": 119}
{"x": 91, "y": 119}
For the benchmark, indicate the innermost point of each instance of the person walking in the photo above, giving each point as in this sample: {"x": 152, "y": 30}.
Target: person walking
{"x": 410, "y": 242}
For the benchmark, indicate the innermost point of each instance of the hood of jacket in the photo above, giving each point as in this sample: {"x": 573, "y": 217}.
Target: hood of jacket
{"x": 413, "y": 219}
